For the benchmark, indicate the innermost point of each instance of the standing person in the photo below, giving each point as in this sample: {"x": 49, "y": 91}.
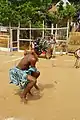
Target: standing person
{"x": 25, "y": 74}
{"x": 53, "y": 44}
{"x": 63, "y": 47}
{"x": 48, "y": 50}
{"x": 71, "y": 26}
{"x": 77, "y": 55}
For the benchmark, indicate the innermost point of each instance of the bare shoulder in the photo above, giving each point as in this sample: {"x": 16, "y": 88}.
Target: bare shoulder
{"x": 32, "y": 58}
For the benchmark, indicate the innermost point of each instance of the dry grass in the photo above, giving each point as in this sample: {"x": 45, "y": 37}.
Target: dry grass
{"x": 72, "y": 48}
{"x": 3, "y": 42}
{"x": 73, "y": 41}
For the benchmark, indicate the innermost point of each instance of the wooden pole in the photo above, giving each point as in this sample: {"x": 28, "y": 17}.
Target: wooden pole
{"x": 43, "y": 30}
{"x": 30, "y": 30}
{"x": 18, "y": 32}
{"x": 56, "y": 31}
{"x": 67, "y": 29}
{"x": 10, "y": 43}
{"x": 30, "y": 36}
{"x": 52, "y": 29}
{"x": 67, "y": 35}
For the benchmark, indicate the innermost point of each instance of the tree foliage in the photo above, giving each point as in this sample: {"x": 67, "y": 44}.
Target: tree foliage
{"x": 67, "y": 12}
{"x": 36, "y": 11}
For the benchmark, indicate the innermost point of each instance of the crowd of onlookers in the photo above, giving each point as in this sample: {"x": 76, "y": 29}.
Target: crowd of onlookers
{"x": 47, "y": 45}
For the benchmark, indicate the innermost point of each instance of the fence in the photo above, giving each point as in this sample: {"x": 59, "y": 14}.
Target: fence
{"x": 16, "y": 44}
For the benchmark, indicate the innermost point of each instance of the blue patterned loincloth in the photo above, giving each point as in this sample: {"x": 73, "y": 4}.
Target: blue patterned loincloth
{"x": 19, "y": 77}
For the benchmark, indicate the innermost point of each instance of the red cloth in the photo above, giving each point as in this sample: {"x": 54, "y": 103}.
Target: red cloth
{"x": 43, "y": 52}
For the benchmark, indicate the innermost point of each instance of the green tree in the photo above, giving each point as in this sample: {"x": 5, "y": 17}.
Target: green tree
{"x": 33, "y": 10}
{"x": 66, "y": 13}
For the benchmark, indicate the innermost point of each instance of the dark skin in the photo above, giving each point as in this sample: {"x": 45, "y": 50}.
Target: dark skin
{"x": 29, "y": 59}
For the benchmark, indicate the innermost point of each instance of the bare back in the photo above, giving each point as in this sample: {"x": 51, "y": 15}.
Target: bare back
{"x": 28, "y": 60}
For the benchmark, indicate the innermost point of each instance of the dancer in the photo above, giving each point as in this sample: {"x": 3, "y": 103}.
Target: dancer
{"x": 25, "y": 74}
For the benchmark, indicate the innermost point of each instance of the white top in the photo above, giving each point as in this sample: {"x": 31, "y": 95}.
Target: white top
{"x": 78, "y": 53}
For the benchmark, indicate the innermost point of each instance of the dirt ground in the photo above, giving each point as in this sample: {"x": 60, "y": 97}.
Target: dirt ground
{"x": 59, "y": 97}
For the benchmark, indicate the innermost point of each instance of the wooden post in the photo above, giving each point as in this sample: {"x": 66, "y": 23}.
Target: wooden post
{"x": 52, "y": 29}
{"x": 43, "y": 30}
{"x": 10, "y": 43}
{"x": 18, "y": 32}
{"x": 67, "y": 29}
{"x": 30, "y": 36}
{"x": 30, "y": 31}
{"x": 56, "y": 31}
{"x": 67, "y": 36}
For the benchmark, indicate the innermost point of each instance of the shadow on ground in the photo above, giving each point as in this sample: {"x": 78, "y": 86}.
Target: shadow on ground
{"x": 36, "y": 94}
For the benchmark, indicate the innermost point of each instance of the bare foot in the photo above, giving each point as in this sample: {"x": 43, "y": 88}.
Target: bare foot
{"x": 23, "y": 99}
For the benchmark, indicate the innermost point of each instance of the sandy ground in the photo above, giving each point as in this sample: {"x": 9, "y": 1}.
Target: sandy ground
{"x": 59, "y": 98}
